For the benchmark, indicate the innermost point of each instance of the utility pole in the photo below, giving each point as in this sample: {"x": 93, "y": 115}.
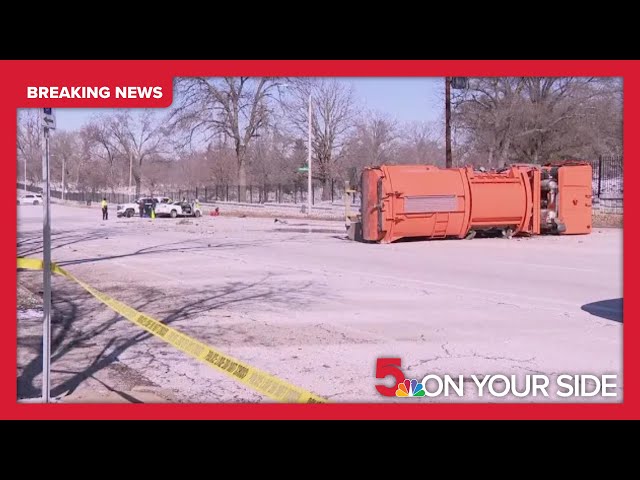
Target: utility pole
{"x": 455, "y": 83}
{"x": 447, "y": 115}
{"x": 130, "y": 172}
{"x": 63, "y": 178}
{"x": 310, "y": 190}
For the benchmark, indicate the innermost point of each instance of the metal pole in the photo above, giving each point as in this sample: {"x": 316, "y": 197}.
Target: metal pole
{"x": 46, "y": 331}
{"x": 25, "y": 174}
{"x": 63, "y": 178}
{"x": 599, "y": 176}
{"x": 310, "y": 193}
{"x": 130, "y": 172}
{"x": 447, "y": 114}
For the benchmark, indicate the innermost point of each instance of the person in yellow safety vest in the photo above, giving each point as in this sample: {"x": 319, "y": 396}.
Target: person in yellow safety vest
{"x": 105, "y": 210}
{"x": 197, "y": 204}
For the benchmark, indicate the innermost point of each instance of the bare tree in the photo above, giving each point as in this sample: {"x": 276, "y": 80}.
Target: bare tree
{"x": 119, "y": 144}
{"x": 538, "y": 119}
{"x": 332, "y": 119}
{"x": 221, "y": 164}
{"x": 271, "y": 160}
{"x": 421, "y": 145}
{"x": 563, "y": 117}
{"x": 155, "y": 172}
{"x": 378, "y": 132}
{"x": 487, "y": 111}
{"x": 102, "y": 149}
{"x": 374, "y": 141}
{"x": 237, "y": 107}
{"x": 29, "y": 144}
{"x": 192, "y": 169}
{"x": 137, "y": 137}
{"x": 90, "y": 171}
{"x": 66, "y": 152}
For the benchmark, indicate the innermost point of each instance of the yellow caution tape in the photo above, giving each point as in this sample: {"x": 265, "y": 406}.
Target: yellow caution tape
{"x": 239, "y": 371}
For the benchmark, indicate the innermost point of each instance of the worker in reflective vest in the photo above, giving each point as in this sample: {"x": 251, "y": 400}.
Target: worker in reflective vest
{"x": 105, "y": 210}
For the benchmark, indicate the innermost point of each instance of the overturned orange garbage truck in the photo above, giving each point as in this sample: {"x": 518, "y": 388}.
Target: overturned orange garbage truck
{"x": 411, "y": 201}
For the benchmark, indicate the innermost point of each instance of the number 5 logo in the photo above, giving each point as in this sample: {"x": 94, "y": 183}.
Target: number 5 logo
{"x": 386, "y": 367}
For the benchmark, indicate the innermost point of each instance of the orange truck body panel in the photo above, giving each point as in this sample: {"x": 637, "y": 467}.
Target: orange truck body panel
{"x": 404, "y": 201}
{"x": 574, "y": 203}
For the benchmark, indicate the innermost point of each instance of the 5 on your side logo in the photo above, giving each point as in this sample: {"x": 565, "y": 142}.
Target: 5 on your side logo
{"x": 402, "y": 387}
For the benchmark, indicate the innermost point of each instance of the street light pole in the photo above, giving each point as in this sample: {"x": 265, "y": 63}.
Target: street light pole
{"x": 309, "y": 187}
{"x": 63, "y": 178}
{"x": 130, "y": 171}
{"x": 25, "y": 174}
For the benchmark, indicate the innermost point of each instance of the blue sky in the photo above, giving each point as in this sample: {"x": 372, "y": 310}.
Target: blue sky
{"x": 404, "y": 98}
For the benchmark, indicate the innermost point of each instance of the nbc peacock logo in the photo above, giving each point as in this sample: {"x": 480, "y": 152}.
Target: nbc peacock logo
{"x": 410, "y": 388}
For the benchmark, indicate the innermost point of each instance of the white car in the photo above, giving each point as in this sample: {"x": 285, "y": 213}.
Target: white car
{"x": 178, "y": 209}
{"x": 127, "y": 209}
{"x": 132, "y": 208}
{"x": 30, "y": 199}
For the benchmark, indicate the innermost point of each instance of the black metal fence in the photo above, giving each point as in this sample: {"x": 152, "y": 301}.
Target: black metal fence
{"x": 607, "y": 185}
{"x": 608, "y": 177}
{"x": 281, "y": 193}
{"x": 255, "y": 193}
{"x": 84, "y": 197}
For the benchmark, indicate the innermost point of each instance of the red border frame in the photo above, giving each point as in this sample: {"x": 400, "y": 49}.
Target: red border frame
{"x": 20, "y": 73}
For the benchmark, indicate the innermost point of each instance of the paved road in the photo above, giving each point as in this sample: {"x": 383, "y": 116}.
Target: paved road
{"x": 303, "y": 303}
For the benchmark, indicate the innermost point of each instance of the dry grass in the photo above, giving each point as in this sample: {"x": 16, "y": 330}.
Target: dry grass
{"x": 230, "y": 212}
{"x": 607, "y": 220}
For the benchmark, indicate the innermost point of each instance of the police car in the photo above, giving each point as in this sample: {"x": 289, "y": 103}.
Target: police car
{"x": 133, "y": 208}
{"x": 127, "y": 209}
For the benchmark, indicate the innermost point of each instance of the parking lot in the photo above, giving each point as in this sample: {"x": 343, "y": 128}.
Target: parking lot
{"x": 303, "y": 303}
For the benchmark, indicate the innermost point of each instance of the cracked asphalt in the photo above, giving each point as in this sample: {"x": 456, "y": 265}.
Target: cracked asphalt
{"x": 315, "y": 309}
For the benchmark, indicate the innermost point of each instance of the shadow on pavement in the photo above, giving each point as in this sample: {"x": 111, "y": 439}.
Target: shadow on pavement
{"x": 607, "y": 309}
{"x": 73, "y": 305}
